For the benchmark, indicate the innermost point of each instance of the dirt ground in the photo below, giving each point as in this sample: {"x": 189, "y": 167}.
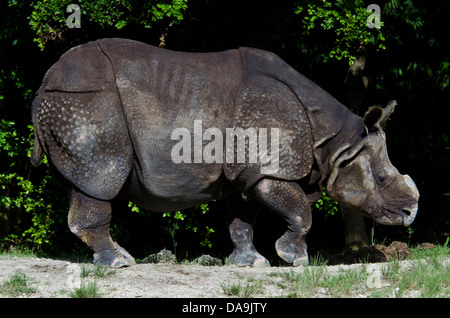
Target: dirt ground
{"x": 57, "y": 278}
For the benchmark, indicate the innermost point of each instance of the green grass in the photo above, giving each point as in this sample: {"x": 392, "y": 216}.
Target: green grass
{"x": 97, "y": 272}
{"x": 316, "y": 280}
{"x": 438, "y": 250}
{"x": 241, "y": 290}
{"x": 299, "y": 285}
{"x": 91, "y": 289}
{"x": 347, "y": 282}
{"x": 86, "y": 290}
{"x": 17, "y": 252}
{"x": 426, "y": 275}
{"x": 19, "y": 284}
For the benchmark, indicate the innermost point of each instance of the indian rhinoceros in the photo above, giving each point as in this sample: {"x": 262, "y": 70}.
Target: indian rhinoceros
{"x": 105, "y": 116}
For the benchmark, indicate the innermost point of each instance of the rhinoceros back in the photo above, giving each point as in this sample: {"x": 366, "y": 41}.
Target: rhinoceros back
{"x": 83, "y": 68}
{"x": 162, "y": 90}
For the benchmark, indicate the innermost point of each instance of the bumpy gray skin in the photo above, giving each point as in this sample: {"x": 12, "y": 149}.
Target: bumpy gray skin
{"x": 106, "y": 110}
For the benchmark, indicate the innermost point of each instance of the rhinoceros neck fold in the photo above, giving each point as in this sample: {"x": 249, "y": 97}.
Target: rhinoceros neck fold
{"x": 329, "y": 152}
{"x": 334, "y": 127}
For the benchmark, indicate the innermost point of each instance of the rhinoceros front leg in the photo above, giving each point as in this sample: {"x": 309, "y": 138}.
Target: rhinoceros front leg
{"x": 288, "y": 199}
{"x": 89, "y": 219}
{"x": 241, "y": 219}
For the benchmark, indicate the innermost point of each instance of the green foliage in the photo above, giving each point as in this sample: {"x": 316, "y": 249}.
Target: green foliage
{"x": 190, "y": 221}
{"x": 172, "y": 10}
{"x": 48, "y": 18}
{"x": 133, "y": 207}
{"x": 442, "y": 75}
{"x": 9, "y": 140}
{"x": 346, "y": 20}
{"x": 41, "y": 203}
{"x": 326, "y": 204}
{"x": 18, "y": 192}
{"x": 188, "y": 228}
{"x": 15, "y": 78}
{"x": 412, "y": 26}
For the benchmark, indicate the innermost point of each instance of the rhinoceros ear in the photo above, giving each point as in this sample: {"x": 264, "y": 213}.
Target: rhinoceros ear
{"x": 376, "y": 116}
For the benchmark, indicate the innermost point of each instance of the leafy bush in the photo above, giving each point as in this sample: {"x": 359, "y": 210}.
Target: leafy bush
{"x": 187, "y": 223}
{"x": 347, "y": 20}
{"x": 48, "y": 18}
{"x": 35, "y": 204}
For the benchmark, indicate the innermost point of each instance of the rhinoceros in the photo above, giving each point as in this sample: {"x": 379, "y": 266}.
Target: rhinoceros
{"x": 106, "y": 113}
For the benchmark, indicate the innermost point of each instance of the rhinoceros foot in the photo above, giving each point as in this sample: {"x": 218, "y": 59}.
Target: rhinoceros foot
{"x": 291, "y": 251}
{"x": 248, "y": 258}
{"x": 118, "y": 257}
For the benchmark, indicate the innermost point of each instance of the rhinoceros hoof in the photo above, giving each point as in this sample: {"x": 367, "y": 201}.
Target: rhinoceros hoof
{"x": 125, "y": 254}
{"x": 291, "y": 252}
{"x": 249, "y": 258}
{"x": 118, "y": 257}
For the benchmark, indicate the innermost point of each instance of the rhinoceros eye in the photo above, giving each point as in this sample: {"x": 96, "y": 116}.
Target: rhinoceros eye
{"x": 381, "y": 179}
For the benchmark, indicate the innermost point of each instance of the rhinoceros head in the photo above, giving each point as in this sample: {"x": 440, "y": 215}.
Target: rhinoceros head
{"x": 364, "y": 179}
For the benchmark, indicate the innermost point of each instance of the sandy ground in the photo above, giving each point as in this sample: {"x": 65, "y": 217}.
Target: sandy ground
{"x": 57, "y": 278}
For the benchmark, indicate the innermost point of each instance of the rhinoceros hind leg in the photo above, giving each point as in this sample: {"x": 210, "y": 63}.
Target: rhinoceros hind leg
{"x": 89, "y": 220}
{"x": 288, "y": 200}
{"x": 242, "y": 218}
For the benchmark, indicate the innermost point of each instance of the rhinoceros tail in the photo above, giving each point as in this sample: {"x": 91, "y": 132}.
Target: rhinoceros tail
{"x": 36, "y": 153}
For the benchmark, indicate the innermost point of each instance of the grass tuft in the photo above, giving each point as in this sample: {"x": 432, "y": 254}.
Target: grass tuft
{"x": 18, "y": 285}
{"x": 89, "y": 290}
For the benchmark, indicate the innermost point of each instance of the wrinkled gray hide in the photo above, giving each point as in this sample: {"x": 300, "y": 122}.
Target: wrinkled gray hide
{"x": 106, "y": 111}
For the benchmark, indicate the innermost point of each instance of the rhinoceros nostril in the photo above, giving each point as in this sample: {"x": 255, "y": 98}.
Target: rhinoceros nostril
{"x": 409, "y": 214}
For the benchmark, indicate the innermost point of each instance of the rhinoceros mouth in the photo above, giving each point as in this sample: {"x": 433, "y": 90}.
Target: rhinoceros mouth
{"x": 394, "y": 215}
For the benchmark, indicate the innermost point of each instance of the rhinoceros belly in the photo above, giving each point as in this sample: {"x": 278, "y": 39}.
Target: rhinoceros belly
{"x": 169, "y": 195}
